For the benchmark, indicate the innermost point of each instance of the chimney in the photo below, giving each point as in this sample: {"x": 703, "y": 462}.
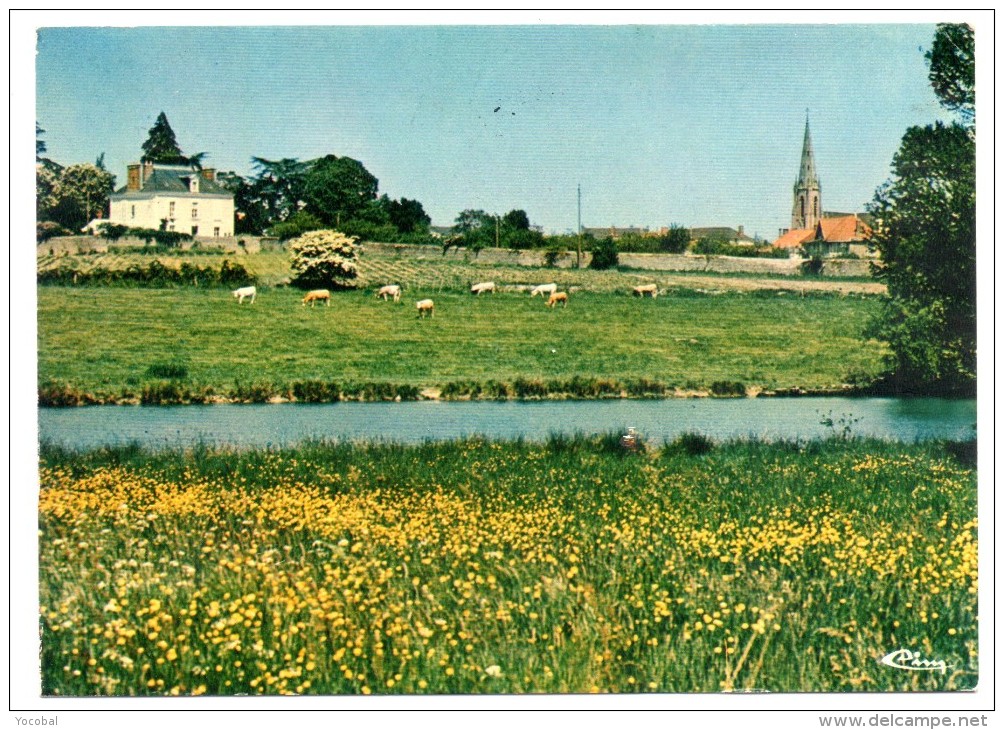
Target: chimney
{"x": 209, "y": 174}
{"x": 147, "y": 172}
{"x": 133, "y": 183}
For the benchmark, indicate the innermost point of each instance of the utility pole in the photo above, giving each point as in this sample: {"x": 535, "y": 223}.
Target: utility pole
{"x": 578, "y": 255}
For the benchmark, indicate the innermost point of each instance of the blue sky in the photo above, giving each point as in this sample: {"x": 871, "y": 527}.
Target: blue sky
{"x": 689, "y": 124}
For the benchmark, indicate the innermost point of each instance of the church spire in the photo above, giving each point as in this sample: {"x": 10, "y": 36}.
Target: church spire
{"x": 807, "y": 172}
{"x": 807, "y": 207}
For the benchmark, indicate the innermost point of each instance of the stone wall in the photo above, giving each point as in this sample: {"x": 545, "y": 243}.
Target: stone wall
{"x": 63, "y": 245}
{"x": 645, "y": 261}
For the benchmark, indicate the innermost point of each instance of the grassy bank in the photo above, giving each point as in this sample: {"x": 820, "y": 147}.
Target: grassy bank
{"x": 484, "y": 567}
{"x": 113, "y": 343}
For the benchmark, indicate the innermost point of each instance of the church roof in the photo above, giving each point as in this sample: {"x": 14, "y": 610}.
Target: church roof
{"x": 807, "y": 177}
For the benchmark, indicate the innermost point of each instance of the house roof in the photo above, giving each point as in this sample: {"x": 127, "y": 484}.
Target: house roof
{"x": 844, "y": 229}
{"x": 795, "y": 238}
{"x": 174, "y": 179}
{"x": 730, "y": 234}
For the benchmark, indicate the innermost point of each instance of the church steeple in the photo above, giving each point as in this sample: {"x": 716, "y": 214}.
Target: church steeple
{"x": 807, "y": 207}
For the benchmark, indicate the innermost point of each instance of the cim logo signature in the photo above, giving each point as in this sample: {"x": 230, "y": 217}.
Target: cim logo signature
{"x": 913, "y": 661}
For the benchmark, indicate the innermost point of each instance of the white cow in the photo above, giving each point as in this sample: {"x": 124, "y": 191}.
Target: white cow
{"x": 391, "y": 290}
{"x": 543, "y": 289}
{"x": 425, "y": 306}
{"x": 484, "y": 286}
{"x": 243, "y": 293}
{"x": 651, "y": 290}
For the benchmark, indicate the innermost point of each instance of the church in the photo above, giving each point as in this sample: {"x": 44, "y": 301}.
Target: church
{"x": 814, "y": 230}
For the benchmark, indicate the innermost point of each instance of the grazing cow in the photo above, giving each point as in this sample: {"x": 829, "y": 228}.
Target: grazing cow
{"x": 483, "y": 287}
{"x": 425, "y": 306}
{"x": 651, "y": 289}
{"x": 318, "y": 295}
{"x": 558, "y": 296}
{"x": 243, "y": 293}
{"x": 391, "y": 290}
{"x": 543, "y": 289}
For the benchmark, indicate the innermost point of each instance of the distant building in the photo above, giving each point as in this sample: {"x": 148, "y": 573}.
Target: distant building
{"x": 174, "y": 198}
{"x": 807, "y": 207}
{"x": 814, "y": 231}
{"x": 835, "y": 233}
{"x": 736, "y": 237}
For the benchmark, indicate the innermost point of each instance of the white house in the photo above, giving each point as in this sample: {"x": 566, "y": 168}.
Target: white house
{"x": 174, "y": 198}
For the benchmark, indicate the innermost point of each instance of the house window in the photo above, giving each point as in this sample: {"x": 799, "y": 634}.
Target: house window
{"x": 170, "y": 209}
{"x": 132, "y": 211}
{"x": 195, "y": 230}
{"x": 195, "y": 211}
{"x": 216, "y": 231}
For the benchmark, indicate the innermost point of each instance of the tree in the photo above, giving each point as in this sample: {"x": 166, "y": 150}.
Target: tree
{"x": 476, "y": 229}
{"x": 408, "y": 216}
{"x": 604, "y": 254}
{"x": 78, "y": 195}
{"x": 338, "y": 189}
{"x": 296, "y": 225}
{"x": 325, "y": 259}
{"x": 278, "y": 187}
{"x": 925, "y": 234}
{"x": 952, "y": 61}
{"x": 161, "y": 145}
{"x": 676, "y": 240}
{"x": 517, "y": 220}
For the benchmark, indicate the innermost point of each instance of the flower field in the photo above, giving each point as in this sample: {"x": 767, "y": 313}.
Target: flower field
{"x": 507, "y": 567}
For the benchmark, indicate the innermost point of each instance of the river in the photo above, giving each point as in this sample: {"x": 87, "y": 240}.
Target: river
{"x": 410, "y": 422}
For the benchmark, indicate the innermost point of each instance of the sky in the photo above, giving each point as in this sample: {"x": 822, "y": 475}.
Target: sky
{"x": 696, "y": 125}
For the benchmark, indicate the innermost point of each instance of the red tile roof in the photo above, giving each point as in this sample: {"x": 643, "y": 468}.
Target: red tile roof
{"x": 843, "y": 229}
{"x": 796, "y": 237}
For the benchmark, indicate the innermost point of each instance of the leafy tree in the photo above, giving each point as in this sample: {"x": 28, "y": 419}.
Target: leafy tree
{"x": 517, "y": 220}
{"x": 161, "y": 144}
{"x": 324, "y": 258}
{"x": 714, "y": 243}
{"x": 338, "y": 189}
{"x": 604, "y": 254}
{"x": 676, "y": 240}
{"x": 408, "y": 216}
{"x": 278, "y": 187}
{"x": 952, "y": 61}
{"x": 78, "y": 195}
{"x": 298, "y": 224}
{"x": 476, "y": 229}
{"x": 46, "y": 180}
{"x": 925, "y": 234}
{"x": 249, "y": 211}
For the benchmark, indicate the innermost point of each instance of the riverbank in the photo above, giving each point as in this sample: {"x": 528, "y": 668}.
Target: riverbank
{"x": 474, "y": 566}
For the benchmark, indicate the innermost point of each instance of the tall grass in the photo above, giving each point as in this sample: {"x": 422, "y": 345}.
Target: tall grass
{"x": 501, "y": 567}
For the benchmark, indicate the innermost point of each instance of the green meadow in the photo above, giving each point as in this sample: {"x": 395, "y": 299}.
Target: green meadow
{"x": 110, "y": 341}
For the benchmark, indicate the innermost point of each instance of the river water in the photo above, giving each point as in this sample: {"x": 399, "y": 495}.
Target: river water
{"x": 410, "y": 422}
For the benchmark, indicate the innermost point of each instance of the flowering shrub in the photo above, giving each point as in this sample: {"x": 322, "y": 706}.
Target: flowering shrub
{"x": 324, "y": 258}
